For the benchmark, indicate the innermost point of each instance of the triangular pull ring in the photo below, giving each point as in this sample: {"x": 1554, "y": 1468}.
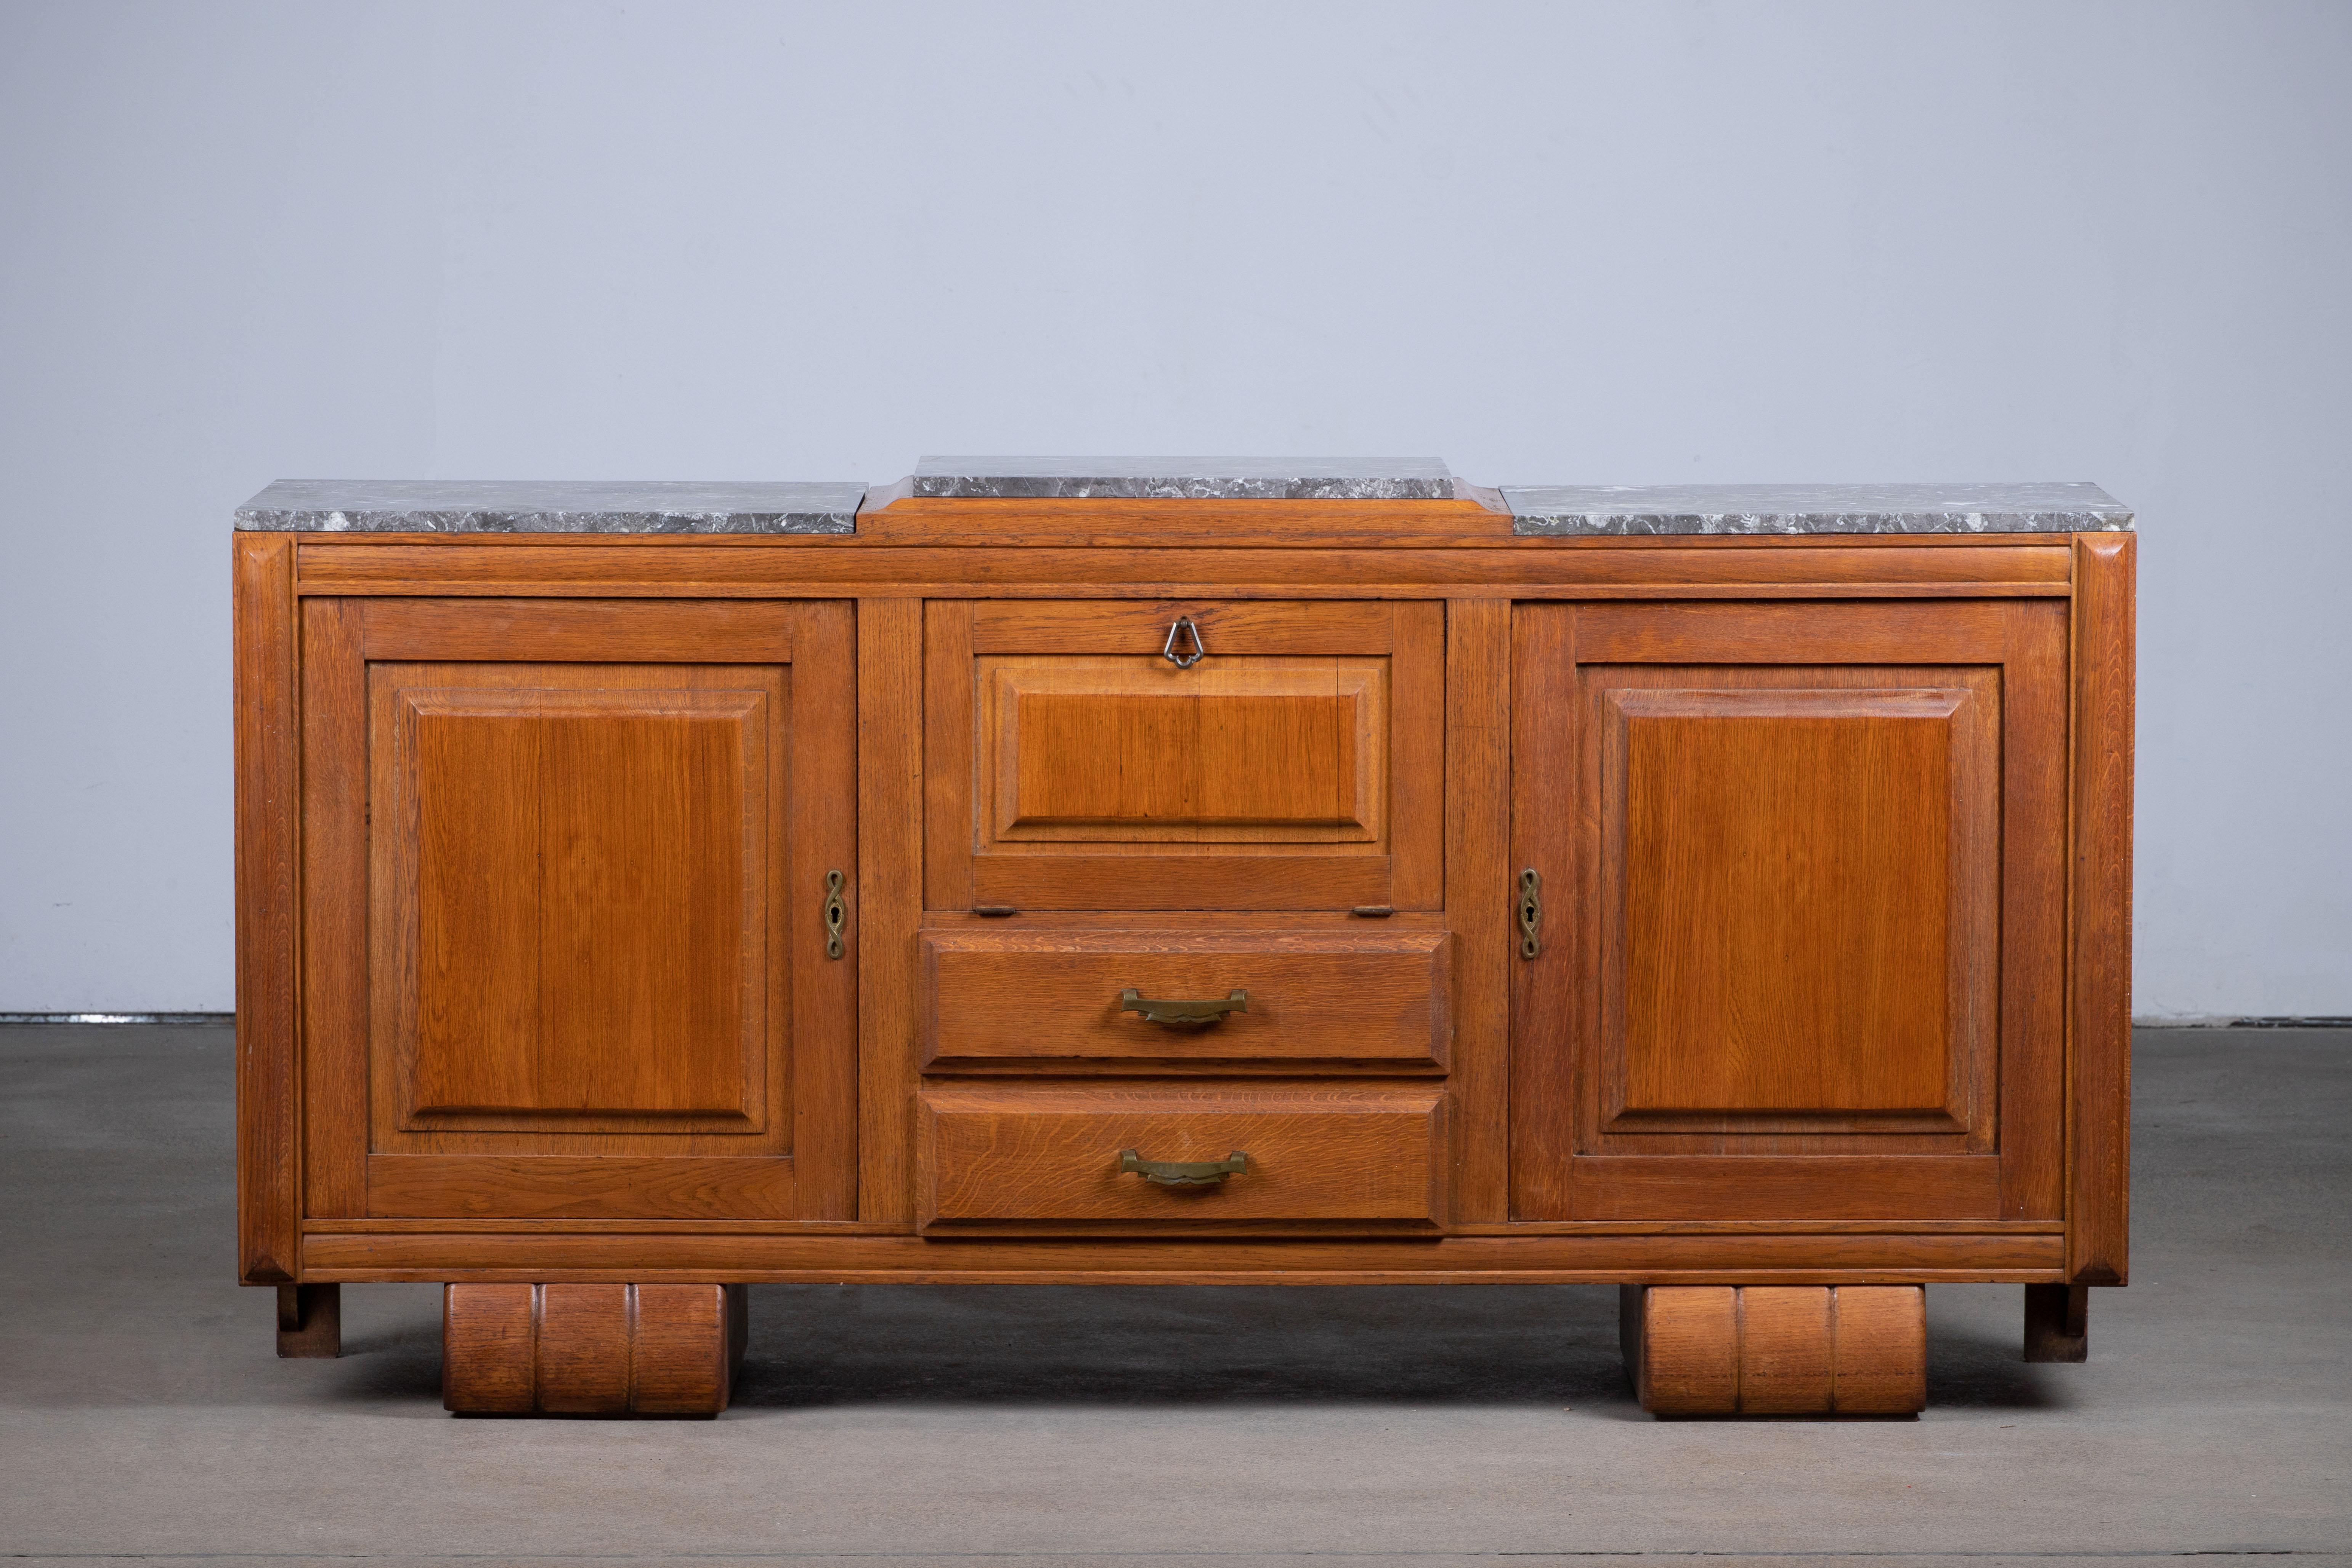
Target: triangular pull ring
{"x": 1182, "y": 629}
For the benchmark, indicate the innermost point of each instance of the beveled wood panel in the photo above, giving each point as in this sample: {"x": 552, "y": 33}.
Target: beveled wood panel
{"x": 1798, "y": 899}
{"x": 1138, "y": 752}
{"x": 1822, "y": 1257}
{"x": 589, "y": 882}
{"x": 996, "y": 994}
{"x": 1298, "y": 765}
{"x": 1011, "y": 1154}
{"x": 574, "y": 866}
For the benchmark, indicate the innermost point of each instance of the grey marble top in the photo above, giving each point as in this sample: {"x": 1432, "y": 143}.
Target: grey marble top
{"x": 2037, "y": 509}
{"x": 551, "y": 507}
{"x": 1197, "y": 479}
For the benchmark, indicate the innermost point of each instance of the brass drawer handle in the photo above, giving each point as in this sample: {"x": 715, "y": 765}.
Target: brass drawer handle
{"x": 1181, "y": 1012}
{"x": 1182, "y": 1173}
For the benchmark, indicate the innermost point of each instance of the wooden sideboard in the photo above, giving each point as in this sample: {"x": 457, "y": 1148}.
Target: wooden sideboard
{"x": 1175, "y": 890}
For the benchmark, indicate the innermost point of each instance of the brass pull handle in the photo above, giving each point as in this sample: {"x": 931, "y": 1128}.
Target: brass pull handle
{"x": 1181, "y": 1012}
{"x": 1183, "y": 1173}
{"x": 1183, "y": 625}
{"x": 836, "y": 914}
{"x": 1530, "y": 913}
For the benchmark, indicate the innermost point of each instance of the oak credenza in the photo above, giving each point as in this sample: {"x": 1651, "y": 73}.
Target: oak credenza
{"x": 1182, "y": 872}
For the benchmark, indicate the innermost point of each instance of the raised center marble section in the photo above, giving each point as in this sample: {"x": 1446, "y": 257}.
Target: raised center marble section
{"x": 551, "y": 507}
{"x": 2037, "y": 509}
{"x": 1191, "y": 478}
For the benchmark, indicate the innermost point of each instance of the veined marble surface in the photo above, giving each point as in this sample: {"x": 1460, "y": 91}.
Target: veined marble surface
{"x": 1196, "y": 479}
{"x": 551, "y": 507}
{"x": 2037, "y": 509}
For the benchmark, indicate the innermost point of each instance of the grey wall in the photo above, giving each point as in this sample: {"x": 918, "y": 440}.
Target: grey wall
{"x": 1624, "y": 243}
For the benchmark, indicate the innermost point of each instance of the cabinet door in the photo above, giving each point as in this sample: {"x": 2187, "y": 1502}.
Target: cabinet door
{"x": 566, "y": 876}
{"x": 1801, "y": 887}
{"x": 1297, "y": 763}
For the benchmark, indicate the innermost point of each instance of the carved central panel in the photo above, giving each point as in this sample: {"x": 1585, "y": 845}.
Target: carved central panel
{"x": 1094, "y": 749}
{"x": 1787, "y": 872}
{"x": 581, "y": 874}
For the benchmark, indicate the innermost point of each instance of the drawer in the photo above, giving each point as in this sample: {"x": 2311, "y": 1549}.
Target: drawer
{"x": 1008, "y": 1153}
{"x": 1001, "y": 996}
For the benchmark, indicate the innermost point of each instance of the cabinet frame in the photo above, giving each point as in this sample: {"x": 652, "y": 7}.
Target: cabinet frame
{"x": 913, "y": 552}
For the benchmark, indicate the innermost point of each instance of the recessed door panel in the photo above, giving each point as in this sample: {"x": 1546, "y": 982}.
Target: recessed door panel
{"x": 587, "y": 875}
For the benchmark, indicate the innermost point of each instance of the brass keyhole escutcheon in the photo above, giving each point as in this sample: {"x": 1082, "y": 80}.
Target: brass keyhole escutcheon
{"x": 836, "y": 914}
{"x": 1183, "y": 648}
{"x": 1530, "y": 913}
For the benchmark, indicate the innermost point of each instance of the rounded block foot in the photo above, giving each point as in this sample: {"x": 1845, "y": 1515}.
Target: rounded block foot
{"x": 1778, "y": 1350}
{"x": 590, "y": 1350}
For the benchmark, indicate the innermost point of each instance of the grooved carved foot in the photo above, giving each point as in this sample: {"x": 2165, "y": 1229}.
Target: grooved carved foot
{"x": 1780, "y": 1350}
{"x": 591, "y": 1349}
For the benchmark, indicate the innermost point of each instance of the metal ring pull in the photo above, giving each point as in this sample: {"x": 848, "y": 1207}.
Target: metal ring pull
{"x": 1184, "y": 1172}
{"x": 1184, "y": 623}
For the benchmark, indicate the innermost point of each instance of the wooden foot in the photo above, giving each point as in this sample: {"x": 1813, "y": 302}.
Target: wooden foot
{"x": 309, "y": 1320}
{"x": 591, "y": 1349}
{"x": 2057, "y": 1322}
{"x": 1777, "y": 1350}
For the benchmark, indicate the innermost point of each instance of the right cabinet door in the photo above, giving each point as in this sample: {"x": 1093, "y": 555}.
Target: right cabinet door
{"x": 1794, "y": 899}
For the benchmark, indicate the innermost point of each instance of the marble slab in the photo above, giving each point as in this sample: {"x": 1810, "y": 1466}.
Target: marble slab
{"x": 551, "y": 506}
{"x": 2035, "y": 509}
{"x": 1194, "y": 479}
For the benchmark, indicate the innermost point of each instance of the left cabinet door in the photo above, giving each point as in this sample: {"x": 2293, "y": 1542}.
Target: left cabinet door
{"x": 576, "y": 885}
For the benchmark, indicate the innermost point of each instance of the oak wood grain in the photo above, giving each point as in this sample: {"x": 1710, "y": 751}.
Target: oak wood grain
{"x": 2004, "y": 1257}
{"x": 1069, "y": 767}
{"x": 704, "y": 569}
{"x": 891, "y": 782}
{"x": 1766, "y": 1350}
{"x": 1006, "y": 993}
{"x": 604, "y": 1348}
{"x": 2099, "y": 1208}
{"x": 1479, "y": 893}
{"x": 268, "y": 1081}
{"x": 1315, "y": 1151}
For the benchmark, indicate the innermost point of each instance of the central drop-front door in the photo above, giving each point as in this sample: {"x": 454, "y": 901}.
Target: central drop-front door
{"x": 1176, "y": 755}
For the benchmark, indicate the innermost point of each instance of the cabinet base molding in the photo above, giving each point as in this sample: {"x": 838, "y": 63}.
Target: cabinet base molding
{"x": 2057, "y": 1322}
{"x": 1775, "y": 1350}
{"x": 310, "y": 1320}
{"x": 598, "y": 1349}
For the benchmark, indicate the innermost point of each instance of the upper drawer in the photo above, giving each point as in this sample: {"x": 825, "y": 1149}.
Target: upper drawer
{"x": 1261, "y": 755}
{"x": 1375, "y": 996}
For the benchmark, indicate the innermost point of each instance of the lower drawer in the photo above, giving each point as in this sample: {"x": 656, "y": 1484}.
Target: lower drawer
{"x": 1007, "y": 1154}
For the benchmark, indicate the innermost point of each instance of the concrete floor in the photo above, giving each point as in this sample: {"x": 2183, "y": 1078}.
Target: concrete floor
{"x": 144, "y": 1414}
